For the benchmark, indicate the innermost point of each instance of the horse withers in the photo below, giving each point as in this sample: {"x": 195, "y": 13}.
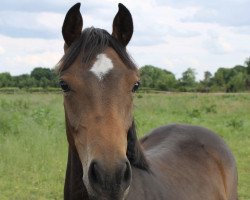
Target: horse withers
{"x": 106, "y": 161}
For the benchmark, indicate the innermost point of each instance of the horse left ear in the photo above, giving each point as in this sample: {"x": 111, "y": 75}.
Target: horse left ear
{"x": 123, "y": 25}
{"x": 72, "y": 25}
{"x": 135, "y": 153}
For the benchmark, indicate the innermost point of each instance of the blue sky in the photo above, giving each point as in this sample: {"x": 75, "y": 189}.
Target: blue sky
{"x": 170, "y": 34}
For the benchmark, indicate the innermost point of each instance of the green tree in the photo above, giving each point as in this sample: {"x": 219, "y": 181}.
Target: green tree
{"x": 207, "y": 76}
{"x": 222, "y": 77}
{"x": 156, "y": 78}
{"x": 231, "y": 79}
{"x": 188, "y": 78}
{"x": 44, "y": 82}
{"x": 247, "y": 63}
{"x": 205, "y": 84}
{"x": 38, "y": 73}
{"x": 5, "y": 79}
{"x": 237, "y": 83}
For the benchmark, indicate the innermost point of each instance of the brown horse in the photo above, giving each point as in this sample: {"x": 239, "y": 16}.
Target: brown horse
{"x": 106, "y": 161}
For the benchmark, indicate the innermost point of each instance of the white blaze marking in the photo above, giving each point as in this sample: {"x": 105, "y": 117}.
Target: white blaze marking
{"x": 102, "y": 66}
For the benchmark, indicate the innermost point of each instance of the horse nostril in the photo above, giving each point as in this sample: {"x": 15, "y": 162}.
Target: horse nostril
{"x": 94, "y": 173}
{"x": 127, "y": 172}
{"x": 124, "y": 175}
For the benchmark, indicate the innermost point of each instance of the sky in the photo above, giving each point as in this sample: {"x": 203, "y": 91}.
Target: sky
{"x": 169, "y": 34}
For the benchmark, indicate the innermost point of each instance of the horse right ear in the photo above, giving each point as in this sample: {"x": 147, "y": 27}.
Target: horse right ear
{"x": 72, "y": 25}
{"x": 123, "y": 25}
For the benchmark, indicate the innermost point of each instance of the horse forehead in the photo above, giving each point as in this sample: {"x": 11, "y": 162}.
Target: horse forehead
{"x": 102, "y": 66}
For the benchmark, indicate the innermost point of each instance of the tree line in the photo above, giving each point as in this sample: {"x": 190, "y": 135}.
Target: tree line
{"x": 39, "y": 77}
{"x": 235, "y": 79}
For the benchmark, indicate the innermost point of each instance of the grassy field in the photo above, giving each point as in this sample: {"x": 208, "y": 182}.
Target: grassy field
{"x": 33, "y": 147}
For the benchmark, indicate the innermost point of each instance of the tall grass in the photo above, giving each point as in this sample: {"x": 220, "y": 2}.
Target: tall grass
{"x": 33, "y": 147}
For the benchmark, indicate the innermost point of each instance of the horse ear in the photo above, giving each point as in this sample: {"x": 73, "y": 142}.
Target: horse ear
{"x": 72, "y": 25}
{"x": 123, "y": 25}
{"x": 135, "y": 153}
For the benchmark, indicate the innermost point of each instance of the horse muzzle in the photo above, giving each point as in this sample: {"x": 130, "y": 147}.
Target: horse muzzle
{"x": 109, "y": 183}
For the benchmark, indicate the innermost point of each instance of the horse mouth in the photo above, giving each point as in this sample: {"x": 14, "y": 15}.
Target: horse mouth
{"x": 111, "y": 195}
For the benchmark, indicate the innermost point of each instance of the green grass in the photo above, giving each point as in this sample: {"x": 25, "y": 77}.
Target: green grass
{"x": 33, "y": 147}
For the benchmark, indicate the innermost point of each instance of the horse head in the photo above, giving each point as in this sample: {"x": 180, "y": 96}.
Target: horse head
{"x": 98, "y": 79}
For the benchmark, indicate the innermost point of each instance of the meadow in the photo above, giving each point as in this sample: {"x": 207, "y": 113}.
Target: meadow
{"x": 33, "y": 146}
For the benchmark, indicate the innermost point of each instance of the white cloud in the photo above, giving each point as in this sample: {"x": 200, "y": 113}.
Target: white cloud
{"x": 23, "y": 54}
{"x": 170, "y": 34}
{"x": 2, "y": 50}
{"x": 30, "y": 24}
{"x": 226, "y": 13}
{"x": 36, "y": 6}
{"x": 49, "y": 20}
{"x": 216, "y": 44}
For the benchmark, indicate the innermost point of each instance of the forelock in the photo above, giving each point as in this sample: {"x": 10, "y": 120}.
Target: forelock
{"x": 93, "y": 41}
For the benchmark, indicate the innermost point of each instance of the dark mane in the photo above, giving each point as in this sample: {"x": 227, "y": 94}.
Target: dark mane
{"x": 135, "y": 152}
{"x": 92, "y": 42}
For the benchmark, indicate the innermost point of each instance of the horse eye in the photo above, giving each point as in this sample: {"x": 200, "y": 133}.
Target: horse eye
{"x": 64, "y": 86}
{"x": 136, "y": 86}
